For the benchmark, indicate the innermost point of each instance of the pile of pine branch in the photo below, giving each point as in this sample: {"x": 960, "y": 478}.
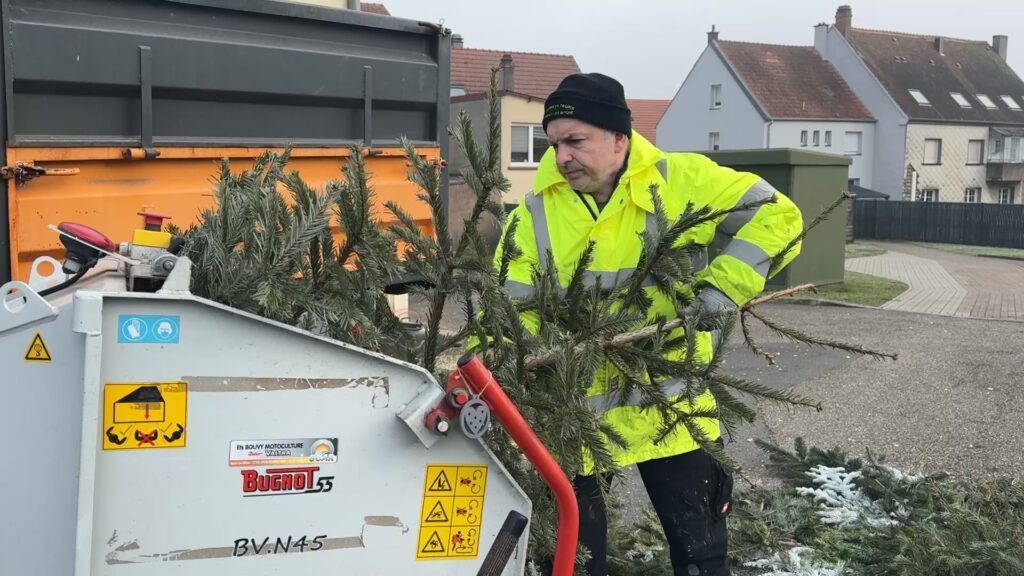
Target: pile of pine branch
{"x": 840, "y": 516}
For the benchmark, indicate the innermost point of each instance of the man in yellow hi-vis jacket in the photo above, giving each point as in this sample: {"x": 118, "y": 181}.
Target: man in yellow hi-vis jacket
{"x": 593, "y": 185}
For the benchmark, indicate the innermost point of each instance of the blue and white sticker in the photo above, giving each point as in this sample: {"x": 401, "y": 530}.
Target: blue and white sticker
{"x": 148, "y": 329}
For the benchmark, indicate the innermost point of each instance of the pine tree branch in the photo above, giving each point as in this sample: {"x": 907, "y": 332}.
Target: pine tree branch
{"x": 798, "y": 336}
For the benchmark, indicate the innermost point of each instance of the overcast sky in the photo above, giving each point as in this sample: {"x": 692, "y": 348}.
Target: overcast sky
{"x": 650, "y": 45}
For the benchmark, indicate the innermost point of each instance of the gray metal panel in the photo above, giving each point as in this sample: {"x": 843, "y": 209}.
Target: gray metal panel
{"x": 41, "y": 407}
{"x": 90, "y": 512}
{"x": 234, "y": 73}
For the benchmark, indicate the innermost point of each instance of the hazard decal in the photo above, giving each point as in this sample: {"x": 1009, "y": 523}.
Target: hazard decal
{"x": 452, "y": 512}
{"x": 144, "y": 415}
{"x": 37, "y": 350}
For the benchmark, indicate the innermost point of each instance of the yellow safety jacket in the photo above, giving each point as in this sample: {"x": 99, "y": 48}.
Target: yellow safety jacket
{"x": 553, "y": 217}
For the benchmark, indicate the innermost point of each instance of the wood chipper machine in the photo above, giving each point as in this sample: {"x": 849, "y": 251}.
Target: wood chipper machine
{"x": 180, "y": 436}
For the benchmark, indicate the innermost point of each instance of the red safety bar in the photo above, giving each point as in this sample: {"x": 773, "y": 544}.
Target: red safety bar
{"x": 479, "y": 379}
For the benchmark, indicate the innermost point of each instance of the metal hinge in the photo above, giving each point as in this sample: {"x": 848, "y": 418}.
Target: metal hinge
{"x": 22, "y": 172}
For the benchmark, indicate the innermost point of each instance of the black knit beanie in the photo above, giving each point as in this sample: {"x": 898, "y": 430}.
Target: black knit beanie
{"x": 593, "y": 98}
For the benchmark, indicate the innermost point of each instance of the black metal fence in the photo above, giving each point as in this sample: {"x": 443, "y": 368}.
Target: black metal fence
{"x": 942, "y": 222}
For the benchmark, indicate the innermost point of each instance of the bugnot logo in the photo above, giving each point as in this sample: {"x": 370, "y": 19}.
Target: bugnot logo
{"x": 285, "y": 481}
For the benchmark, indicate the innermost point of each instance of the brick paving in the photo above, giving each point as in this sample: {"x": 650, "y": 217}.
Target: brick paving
{"x": 946, "y": 283}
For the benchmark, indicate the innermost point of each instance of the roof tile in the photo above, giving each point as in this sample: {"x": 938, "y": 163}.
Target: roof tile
{"x": 793, "y": 81}
{"x": 646, "y": 114}
{"x": 910, "y": 61}
{"x": 374, "y": 8}
{"x": 534, "y": 74}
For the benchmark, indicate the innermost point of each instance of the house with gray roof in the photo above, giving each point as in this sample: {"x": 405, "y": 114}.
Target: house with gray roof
{"x": 949, "y": 112}
{"x": 743, "y": 95}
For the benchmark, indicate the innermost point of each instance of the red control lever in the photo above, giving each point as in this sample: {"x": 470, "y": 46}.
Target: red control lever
{"x": 479, "y": 380}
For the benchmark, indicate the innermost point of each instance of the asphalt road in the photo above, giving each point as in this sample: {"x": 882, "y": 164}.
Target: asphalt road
{"x": 953, "y": 402}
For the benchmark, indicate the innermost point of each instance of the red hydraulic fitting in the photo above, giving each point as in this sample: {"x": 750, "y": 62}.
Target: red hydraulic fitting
{"x": 438, "y": 421}
{"x": 457, "y": 397}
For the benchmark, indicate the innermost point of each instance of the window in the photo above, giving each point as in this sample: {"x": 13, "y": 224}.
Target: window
{"x": 457, "y": 91}
{"x": 716, "y": 96}
{"x": 1006, "y": 195}
{"x": 1014, "y": 149}
{"x": 828, "y": 138}
{"x": 1011, "y": 103}
{"x": 928, "y": 195}
{"x": 817, "y": 138}
{"x": 919, "y": 97}
{"x": 997, "y": 147}
{"x": 972, "y": 194}
{"x": 986, "y": 102}
{"x": 932, "y": 151}
{"x": 712, "y": 140}
{"x": 853, "y": 143}
{"x": 803, "y": 137}
{"x": 975, "y": 152}
{"x": 529, "y": 142}
{"x": 960, "y": 99}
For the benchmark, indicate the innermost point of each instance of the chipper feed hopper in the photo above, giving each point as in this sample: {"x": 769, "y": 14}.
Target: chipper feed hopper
{"x": 175, "y": 435}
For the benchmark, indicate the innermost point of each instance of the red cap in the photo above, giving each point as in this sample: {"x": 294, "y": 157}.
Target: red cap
{"x": 153, "y": 220}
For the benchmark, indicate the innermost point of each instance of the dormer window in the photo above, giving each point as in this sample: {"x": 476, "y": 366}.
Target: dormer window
{"x": 1011, "y": 103}
{"x": 959, "y": 98}
{"x": 919, "y": 97}
{"x": 986, "y": 102}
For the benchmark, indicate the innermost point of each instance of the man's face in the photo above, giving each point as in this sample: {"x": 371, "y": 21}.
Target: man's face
{"x": 587, "y": 156}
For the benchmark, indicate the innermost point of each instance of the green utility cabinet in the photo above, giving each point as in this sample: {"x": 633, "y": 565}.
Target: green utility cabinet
{"x": 813, "y": 181}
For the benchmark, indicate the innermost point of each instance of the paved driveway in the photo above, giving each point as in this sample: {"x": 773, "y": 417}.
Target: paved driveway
{"x": 946, "y": 283}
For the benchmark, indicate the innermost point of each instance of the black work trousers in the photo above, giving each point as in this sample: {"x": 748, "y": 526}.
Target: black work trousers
{"x": 691, "y": 494}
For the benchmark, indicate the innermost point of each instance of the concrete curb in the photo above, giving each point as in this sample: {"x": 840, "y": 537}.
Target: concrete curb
{"x": 825, "y": 302}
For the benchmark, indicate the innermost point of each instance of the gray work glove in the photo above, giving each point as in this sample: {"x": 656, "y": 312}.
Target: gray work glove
{"x": 710, "y": 308}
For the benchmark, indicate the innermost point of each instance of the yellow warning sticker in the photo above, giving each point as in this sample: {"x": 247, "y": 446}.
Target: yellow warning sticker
{"x": 439, "y": 481}
{"x": 144, "y": 415}
{"x": 452, "y": 511}
{"x": 471, "y": 481}
{"x": 466, "y": 511}
{"x": 433, "y": 543}
{"x": 437, "y": 511}
{"x": 37, "y": 350}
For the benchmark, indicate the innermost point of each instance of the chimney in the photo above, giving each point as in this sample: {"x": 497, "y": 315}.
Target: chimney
{"x": 939, "y": 45}
{"x": 844, "y": 19}
{"x": 506, "y": 74}
{"x": 352, "y": 5}
{"x": 713, "y": 35}
{"x": 999, "y": 45}
{"x": 456, "y": 40}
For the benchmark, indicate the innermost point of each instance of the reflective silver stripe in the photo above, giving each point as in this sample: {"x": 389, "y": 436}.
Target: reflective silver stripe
{"x": 720, "y": 241}
{"x": 541, "y": 235}
{"x": 605, "y": 402}
{"x": 519, "y": 289}
{"x": 760, "y": 191}
{"x": 613, "y": 279}
{"x": 651, "y": 223}
{"x": 750, "y": 254}
{"x": 700, "y": 261}
{"x": 662, "y": 166}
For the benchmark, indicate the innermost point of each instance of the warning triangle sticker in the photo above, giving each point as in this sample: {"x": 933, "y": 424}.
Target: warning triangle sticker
{"x": 434, "y": 545}
{"x": 437, "y": 514}
{"x": 37, "y": 351}
{"x": 440, "y": 483}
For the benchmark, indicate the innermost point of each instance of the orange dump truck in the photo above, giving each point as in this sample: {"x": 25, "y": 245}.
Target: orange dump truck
{"x": 115, "y": 106}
